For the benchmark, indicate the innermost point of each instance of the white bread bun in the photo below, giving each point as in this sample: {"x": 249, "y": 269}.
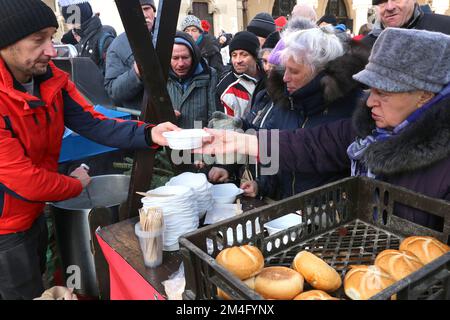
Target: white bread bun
{"x": 363, "y": 282}
{"x": 316, "y": 272}
{"x": 314, "y": 295}
{"x": 425, "y": 248}
{"x": 249, "y": 282}
{"x": 244, "y": 261}
{"x": 398, "y": 263}
{"x": 279, "y": 283}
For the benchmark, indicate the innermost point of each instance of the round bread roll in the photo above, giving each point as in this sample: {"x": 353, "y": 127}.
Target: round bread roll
{"x": 314, "y": 295}
{"x": 363, "y": 282}
{"x": 279, "y": 283}
{"x": 244, "y": 261}
{"x": 425, "y": 248}
{"x": 398, "y": 263}
{"x": 316, "y": 272}
{"x": 249, "y": 282}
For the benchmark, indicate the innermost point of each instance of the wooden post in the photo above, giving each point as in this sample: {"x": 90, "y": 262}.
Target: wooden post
{"x": 154, "y": 67}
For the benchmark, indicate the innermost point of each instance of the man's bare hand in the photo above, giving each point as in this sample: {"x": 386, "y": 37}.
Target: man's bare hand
{"x": 250, "y": 188}
{"x": 81, "y": 174}
{"x": 157, "y": 132}
{"x": 218, "y": 175}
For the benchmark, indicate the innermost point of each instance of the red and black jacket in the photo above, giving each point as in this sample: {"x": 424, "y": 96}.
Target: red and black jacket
{"x": 31, "y": 131}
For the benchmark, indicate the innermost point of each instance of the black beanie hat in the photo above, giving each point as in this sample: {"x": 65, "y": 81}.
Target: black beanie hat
{"x": 247, "y": 41}
{"x": 20, "y": 18}
{"x": 329, "y": 18}
{"x": 272, "y": 40}
{"x": 262, "y": 25}
{"x": 69, "y": 13}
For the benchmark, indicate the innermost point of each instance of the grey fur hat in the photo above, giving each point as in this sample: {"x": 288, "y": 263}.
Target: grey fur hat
{"x": 405, "y": 60}
{"x": 190, "y": 21}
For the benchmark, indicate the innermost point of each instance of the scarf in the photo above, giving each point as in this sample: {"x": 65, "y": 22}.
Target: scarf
{"x": 357, "y": 149}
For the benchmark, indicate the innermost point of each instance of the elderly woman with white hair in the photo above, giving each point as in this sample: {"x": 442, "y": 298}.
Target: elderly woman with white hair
{"x": 315, "y": 88}
{"x": 401, "y": 135}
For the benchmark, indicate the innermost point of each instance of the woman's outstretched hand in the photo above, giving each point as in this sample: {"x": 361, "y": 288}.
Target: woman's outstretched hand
{"x": 227, "y": 141}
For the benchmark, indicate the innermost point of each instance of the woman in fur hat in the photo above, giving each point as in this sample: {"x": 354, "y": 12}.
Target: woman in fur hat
{"x": 400, "y": 135}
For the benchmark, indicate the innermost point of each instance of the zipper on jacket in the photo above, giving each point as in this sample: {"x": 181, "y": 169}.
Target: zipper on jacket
{"x": 35, "y": 119}
{"x": 291, "y": 102}
{"x": 304, "y": 123}
{"x": 293, "y": 184}
{"x": 47, "y": 116}
{"x": 9, "y": 126}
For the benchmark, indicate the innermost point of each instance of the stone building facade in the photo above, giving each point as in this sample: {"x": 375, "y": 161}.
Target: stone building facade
{"x": 234, "y": 15}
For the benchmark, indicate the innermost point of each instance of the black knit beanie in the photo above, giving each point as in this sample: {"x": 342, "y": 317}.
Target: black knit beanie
{"x": 272, "y": 40}
{"x": 69, "y": 13}
{"x": 20, "y": 18}
{"x": 262, "y": 25}
{"x": 247, "y": 41}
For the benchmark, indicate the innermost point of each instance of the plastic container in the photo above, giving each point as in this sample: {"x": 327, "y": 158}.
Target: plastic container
{"x": 352, "y": 220}
{"x": 225, "y": 193}
{"x": 185, "y": 139}
{"x": 283, "y": 223}
{"x": 151, "y": 244}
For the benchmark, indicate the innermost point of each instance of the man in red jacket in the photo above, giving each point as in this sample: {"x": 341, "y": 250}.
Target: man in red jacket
{"x": 37, "y": 101}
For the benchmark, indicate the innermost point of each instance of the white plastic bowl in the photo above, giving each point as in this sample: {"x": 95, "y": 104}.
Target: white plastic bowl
{"x": 225, "y": 193}
{"x": 283, "y": 223}
{"x": 185, "y": 139}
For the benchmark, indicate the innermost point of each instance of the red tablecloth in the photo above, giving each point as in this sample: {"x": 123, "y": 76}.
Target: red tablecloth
{"x": 125, "y": 282}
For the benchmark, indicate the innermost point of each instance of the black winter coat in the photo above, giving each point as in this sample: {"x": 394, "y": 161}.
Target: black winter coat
{"x": 420, "y": 21}
{"x": 418, "y": 158}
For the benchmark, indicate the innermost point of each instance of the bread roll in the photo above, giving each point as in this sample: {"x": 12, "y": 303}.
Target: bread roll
{"x": 244, "y": 261}
{"x": 314, "y": 295}
{"x": 425, "y": 248}
{"x": 280, "y": 283}
{"x": 249, "y": 282}
{"x": 363, "y": 282}
{"x": 398, "y": 263}
{"x": 316, "y": 272}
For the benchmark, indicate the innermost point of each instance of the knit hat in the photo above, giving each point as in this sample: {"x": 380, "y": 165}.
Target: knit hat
{"x": 191, "y": 21}
{"x": 75, "y": 11}
{"x": 272, "y": 40}
{"x": 148, "y": 3}
{"x": 280, "y": 22}
{"x": 262, "y": 25}
{"x": 245, "y": 40}
{"x": 404, "y": 60}
{"x": 329, "y": 18}
{"x": 20, "y": 18}
{"x": 205, "y": 25}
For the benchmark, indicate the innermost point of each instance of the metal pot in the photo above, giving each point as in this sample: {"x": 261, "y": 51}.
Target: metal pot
{"x": 72, "y": 230}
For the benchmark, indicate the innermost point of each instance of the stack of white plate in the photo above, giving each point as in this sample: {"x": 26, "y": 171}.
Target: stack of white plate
{"x": 179, "y": 209}
{"x": 201, "y": 187}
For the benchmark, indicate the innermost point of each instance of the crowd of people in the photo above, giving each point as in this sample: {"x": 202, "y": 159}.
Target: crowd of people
{"x": 376, "y": 105}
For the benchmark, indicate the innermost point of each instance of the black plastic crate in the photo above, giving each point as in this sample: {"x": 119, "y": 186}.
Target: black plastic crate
{"x": 350, "y": 222}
